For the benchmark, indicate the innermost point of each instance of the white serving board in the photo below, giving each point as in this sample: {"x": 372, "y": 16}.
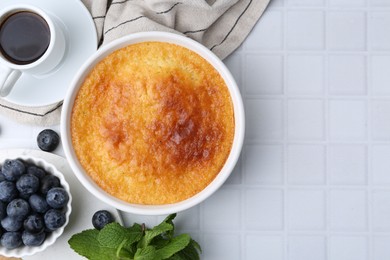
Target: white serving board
{"x": 84, "y": 205}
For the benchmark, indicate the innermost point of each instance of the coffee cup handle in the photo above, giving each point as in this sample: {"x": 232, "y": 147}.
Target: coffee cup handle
{"x": 8, "y": 78}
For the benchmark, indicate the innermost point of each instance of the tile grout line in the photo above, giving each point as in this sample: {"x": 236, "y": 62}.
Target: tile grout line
{"x": 315, "y": 52}
{"x": 242, "y": 226}
{"x": 314, "y": 142}
{"x": 297, "y": 232}
{"x": 242, "y": 164}
{"x": 369, "y": 87}
{"x": 327, "y": 134}
{"x": 285, "y": 58}
{"x": 349, "y": 187}
{"x": 315, "y": 97}
{"x": 201, "y": 224}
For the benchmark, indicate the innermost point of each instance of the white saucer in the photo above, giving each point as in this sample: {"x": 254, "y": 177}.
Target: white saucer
{"x": 80, "y": 32}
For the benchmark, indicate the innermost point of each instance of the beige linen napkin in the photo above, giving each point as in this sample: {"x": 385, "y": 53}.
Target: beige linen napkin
{"x": 220, "y": 25}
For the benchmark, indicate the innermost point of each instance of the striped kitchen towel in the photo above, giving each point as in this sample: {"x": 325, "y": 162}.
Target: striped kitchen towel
{"x": 220, "y": 25}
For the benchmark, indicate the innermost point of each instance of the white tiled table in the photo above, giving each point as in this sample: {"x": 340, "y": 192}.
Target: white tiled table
{"x": 313, "y": 182}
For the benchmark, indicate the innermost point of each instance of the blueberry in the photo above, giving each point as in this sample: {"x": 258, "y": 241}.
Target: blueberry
{"x": 11, "y": 240}
{"x": 30, "y": 239}
{"x": 57, "y": 198}
{"x": 48, "y": 140}
{"x": 11, "y": 224}
{"x": 48, "y": 182}
{"x": 8, "y": 191}
{"x": 13, "y": 169}
{"x": 18, "y": 208}
{"x": 34, "y": 224}
{"x": 38, "y": 203}
{"x": 27, "y": 184}
{"x": 3, "y": 208}
{"x": 36, "y": 171}
{"x": 2, "y": 177}
{"x": 54, "y": 219}
{"x": 101, "y": 218}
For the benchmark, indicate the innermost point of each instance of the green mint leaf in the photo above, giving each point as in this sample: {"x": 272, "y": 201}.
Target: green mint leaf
{"x": 196, "y": 245}
{"x": 122, "y": 253}
{"x": 113, "y": 235}
{"x": 146, "y": 253}
{"x": 188, "y": 253}
{"x": 176, "y": 244}
{"x": 154, "y": 232}
{"x": 84, "y": 242}
{"x": 177, "y": 257}
{"x": 169, "y": 220}
{"x": 87, "y": 245}
{"x": 132, "y": 249}
{"x": 191, "y": 252}
{"x": 135, "y": 234}
{"x": 159, "y": 242}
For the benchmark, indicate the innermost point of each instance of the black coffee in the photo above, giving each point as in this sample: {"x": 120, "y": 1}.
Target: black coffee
{"x": 24, "y": 37}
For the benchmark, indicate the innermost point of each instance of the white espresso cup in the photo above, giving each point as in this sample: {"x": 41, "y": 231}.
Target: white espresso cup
{"x": 31, "y": 42}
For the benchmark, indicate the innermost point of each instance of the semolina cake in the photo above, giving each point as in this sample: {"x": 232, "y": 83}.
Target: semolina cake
{"x": 153, "y": 123}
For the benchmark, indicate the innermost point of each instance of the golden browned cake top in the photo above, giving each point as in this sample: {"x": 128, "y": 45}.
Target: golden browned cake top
{"x": 153, "y": 123}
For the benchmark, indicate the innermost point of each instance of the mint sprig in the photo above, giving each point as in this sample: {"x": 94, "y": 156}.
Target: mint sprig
{"x": 135, "y": 243}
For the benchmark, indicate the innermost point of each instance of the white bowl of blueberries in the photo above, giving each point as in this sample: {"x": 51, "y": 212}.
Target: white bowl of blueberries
{"x": 35, "y": 205}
